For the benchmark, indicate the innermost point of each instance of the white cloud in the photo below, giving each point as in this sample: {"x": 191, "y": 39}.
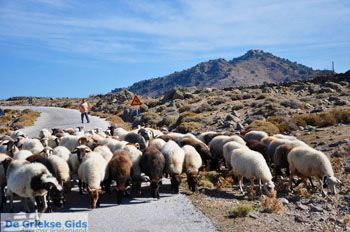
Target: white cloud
{"x": 180, "y": 29}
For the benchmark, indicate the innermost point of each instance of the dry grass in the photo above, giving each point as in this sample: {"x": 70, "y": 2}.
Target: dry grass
{"x": 346, "y": 219}
{"x": 324, "y": 119}
{"x": 271, "y": 204}
{"x": 208, "y": 179}
{"x": 186, "y": 127}
{"x": 242, "y": 210}
{"x": 302, "y": 192}
{"x": 113, "y": 119}
{"x": 14, "y": 119}
{"x": 268, "y": 127}
{"x": 224, "y": 182}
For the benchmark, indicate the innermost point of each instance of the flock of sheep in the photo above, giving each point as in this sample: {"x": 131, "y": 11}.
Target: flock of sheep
{"x": 43, "y": 169}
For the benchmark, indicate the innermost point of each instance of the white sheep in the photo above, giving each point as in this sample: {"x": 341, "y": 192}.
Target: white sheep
{"x": 3, "y": 157}
{"x": 62, "y": 152}
{"x": 76, "y": 157}
{"x": 216, "y": 147}
{"x": 251, "y": 165}
{"x": 21, "y": 154}
{"x": 33, "y": 145}
{"x": 192, "y": 164}
{"x": 308, "y": 162}
{"x": 29, "y": 180}
{"x": 157, "y": 142}
{"x": 70, "y": 142}
{"x": 92, "y": 172}
{"x": 105, "y": 152}
{"x": 62, "y": 169}
{"x": 51, "y": 141}
{"x": 255, "y": 135}
{"x": 44, "y": 133}
{"x": 113, "y": 144}
{"x": 227, "y": 151}
{"x": 174, "y": 159}
{"x": 120, "y": 133}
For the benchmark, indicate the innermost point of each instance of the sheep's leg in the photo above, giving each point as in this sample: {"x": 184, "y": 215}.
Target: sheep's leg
{"x": 3, "y": 199}
{"x": 45, "y": 204}
{"x": 260, "y": 185}
{"x": 252, "y": 185}
{"x": 10, "y": 196}
{"x": 312, "y": 184}
{"x": 35, "y": 208}
{"x": 291, "y": 181}
{"x": 240, "y": 182}
{"x": 80, "y": 184}
{"x": 322, "y": 189}
{"x": 25, "y": 205}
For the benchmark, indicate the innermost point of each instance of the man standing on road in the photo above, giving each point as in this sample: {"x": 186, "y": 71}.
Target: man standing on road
{"x": 84, "y": 109}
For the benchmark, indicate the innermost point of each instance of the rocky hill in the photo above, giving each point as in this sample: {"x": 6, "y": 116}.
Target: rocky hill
{"x": 253, "y": 68}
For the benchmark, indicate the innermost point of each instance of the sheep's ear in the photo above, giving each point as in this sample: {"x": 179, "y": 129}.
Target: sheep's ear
{"x": 338, "y": 181}
{"x": 75, "y": 150}
{"x": 202, "y": 168}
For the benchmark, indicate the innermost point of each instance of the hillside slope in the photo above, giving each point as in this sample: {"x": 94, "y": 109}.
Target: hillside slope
{"x": 253, "y": 68}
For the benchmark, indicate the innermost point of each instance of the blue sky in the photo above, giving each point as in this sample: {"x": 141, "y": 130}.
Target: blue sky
{"x": 77, "y": 48}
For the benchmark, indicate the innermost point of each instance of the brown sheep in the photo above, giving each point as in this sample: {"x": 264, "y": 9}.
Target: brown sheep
{"x": 256, "y": 145}
{"x": 119, "y": 169}
{"x": 280, "y": 158}
{"x": 153, "y": 164}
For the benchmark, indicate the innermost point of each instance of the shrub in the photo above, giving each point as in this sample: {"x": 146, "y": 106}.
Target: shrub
{"x": 237, "y": 105}
{"x": 217, "y": 101}
{"x": 188, "y": 117}
{"x": 271, "y": 204}
{"x": 283, "y": 124}
{"x": 268, "y": 127}
{"x": 204, "y": 107}
{"x": 347, "y": 219}
{"x": 4, "y": 130}
{"x": 184, "y": 108}
{"x": 167, "y": 121}
{"x": 149, "y": 118}
{"x": 186, "y": 127}
{"x": 208, "y": 179}
{"x": 242, "y": 210}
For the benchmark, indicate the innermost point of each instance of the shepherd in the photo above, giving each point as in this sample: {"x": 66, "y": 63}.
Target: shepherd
{"x": 84, "y": 109}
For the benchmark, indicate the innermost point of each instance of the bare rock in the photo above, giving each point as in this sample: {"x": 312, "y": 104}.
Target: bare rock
{"x": 315, "y": 208}
{"x": 301, "y": 206}
{"x": 300, "y": 219}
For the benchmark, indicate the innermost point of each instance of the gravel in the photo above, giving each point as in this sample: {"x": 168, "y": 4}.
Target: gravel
{"x": 169, "y": 213}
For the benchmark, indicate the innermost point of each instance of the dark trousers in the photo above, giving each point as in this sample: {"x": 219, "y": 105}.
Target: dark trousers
{"x": 86, "y": 116}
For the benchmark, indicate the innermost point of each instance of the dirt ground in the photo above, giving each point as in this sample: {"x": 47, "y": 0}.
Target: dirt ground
{"x": 303, "y": 210}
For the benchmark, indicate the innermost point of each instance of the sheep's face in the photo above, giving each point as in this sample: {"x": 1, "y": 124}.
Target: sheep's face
{"x": 47, "y": 152}
{"x": 94, "y": 196}
{"x": 192, "y": 180}
{"x": 55, "y": 192}
{"x": 120, "y": 192}
{"x": 331, "y": 182}
{"x": 146, "y": 134}
{"x": 82, "y": 151}
{"x": 269, "y": 187}
{"x": 175, "y": 182}
{"x": 155, "y": 189}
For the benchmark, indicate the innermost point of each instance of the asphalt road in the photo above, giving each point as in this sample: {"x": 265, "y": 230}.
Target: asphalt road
{"x": 169, "y": 213}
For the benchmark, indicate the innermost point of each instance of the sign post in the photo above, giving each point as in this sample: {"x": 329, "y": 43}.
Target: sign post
{"x": 136, "y": 102}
